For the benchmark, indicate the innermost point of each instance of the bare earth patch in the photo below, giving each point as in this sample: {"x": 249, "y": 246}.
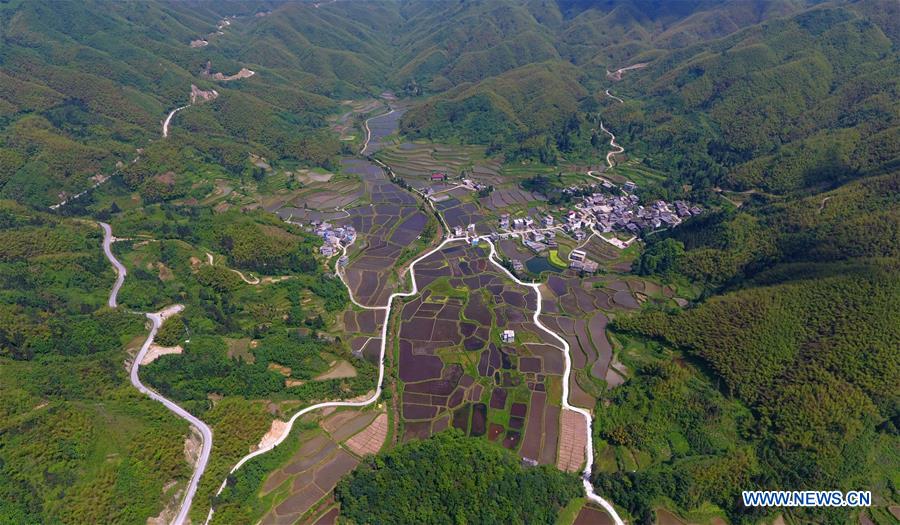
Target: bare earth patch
{"x": 370, "y": 440}
{"x": 170, "y": 510}
{"x": 572, "y": 440}
{"x": 155, "y": 352}
{"x": 340, "y": 370}
{"x": 275, "y": 431}
{"x": 283, "y": 370}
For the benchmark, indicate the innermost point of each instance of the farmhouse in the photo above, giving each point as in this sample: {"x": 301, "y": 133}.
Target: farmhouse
{"x": 589, "y": 266}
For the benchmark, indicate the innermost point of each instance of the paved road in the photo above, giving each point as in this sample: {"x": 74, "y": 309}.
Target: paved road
{"x": 205, "y": 432}
{"x": 369, "y": 132}
{"x": 589, "y": 447}
{"x": 610, "y": 95}
{"x": 120, "y": 269}
{"x": 165, "y": 131}
{"x": 612, "y": 142}
{"x": 157, "y": 319}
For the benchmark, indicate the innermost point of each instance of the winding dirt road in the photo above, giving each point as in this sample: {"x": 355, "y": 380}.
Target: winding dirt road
{"x": 617, "y": 74}
{"x": 157, "y": 319}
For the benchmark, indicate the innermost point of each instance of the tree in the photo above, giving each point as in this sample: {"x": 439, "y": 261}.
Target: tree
{"x": 660, "y": 258}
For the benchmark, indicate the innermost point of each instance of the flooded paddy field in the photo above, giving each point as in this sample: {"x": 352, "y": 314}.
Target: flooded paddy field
{"x": 301, "y": 489}
{"x": 457, "y": 371}
{"x": 387, "y": 225}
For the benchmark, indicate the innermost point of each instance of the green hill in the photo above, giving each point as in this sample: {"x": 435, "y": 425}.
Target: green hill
{"x": 807, "y": 101}
{"x": 85, "y": 85}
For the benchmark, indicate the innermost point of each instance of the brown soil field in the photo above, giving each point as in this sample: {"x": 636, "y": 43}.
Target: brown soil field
{"x": 551, "y": 435}
{"x": 573, "y": 439}
{"x": 329, "y": 518}
{"x": 590, "y": 515}
{"x": 342, "y": 425}
{"x": 534, "y": 428}
{"x": 339, "y": 370}
{"x": 578, "y": 397}
{"x": 664, "y": 517}
{"x": 370, "y": 440}
{"x": 329, "y": 473}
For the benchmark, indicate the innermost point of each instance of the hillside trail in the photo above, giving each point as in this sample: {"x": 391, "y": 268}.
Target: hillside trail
{"x": 157, "y": 319}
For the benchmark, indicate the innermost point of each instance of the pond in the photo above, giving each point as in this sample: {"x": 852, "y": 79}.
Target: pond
{"x": 537, "y": 265}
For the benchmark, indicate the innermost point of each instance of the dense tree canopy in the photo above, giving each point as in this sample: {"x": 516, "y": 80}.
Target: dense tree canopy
{"x": 451, "y": 479}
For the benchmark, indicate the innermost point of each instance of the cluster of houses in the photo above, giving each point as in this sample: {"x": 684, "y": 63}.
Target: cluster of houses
{"x": 578, "y": 261}
{"x": 525, "y": 223}
{"x": 607, "y": 213}
{"x": 597, "y": 212}
{"x": 469, "y": 231}
{"x": 334, "y": 239}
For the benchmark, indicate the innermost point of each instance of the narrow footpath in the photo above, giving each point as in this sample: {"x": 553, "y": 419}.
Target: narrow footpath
{"x": 157, "y": 319}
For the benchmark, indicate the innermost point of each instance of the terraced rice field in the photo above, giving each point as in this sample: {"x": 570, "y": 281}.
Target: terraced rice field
{"x": 381, "y": 127}
{"x": 303, "y": 485}
{"x": 416, "y": 162}
{"x": 456, "y": 371}
{"x": 503, "y": 198}
{"x": 385, "y": 227}
{"x": 462, "y": 214}
{"x": 590, "y": 515}
{"x": 575, "y": 308}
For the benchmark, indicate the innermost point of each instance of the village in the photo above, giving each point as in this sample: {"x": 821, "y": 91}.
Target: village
{"x": 607, "y": 211}
{"x": 334, "y": 239}
{"x": 597, "y": 213}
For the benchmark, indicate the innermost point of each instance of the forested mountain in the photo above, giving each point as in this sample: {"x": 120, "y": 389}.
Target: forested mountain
{"x": 77, "y": 443}
{"x": 800, "y": 323}
{"x": 804, "y": 101}
{"x": 780, "y": 117}
{"x": 84, "y": 86}
{"x": 809, "y": 100}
